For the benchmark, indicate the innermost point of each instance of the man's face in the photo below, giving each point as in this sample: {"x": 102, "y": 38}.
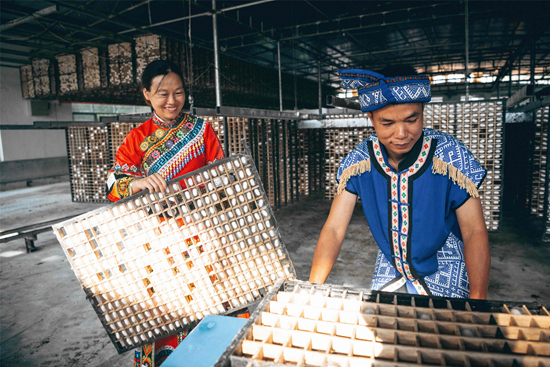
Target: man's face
{"x": 398, "y": 126}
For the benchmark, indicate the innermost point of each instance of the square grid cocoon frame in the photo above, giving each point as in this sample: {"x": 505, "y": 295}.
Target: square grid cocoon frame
{"x": 154, "y": 264}
{"x": 306, "y": 324}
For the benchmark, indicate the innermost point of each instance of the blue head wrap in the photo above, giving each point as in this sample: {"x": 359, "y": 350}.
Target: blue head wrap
{"x": 377, "y": 91}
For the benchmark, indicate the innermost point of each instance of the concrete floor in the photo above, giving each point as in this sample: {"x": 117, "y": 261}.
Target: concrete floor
{"x": 45, "y": 319}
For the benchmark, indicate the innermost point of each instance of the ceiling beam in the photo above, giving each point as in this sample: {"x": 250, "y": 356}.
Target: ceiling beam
{"x": 12, "y": 60}
{"x": 110, "y": 18}
{"x": 120, "y": 13}
{"x": 6, "y": 51}
{"x": 37, "y": 45}
{"x": 534, "y": 34}
{"x": 86, "y": 10}
{"x": 297, "y": 31}
{"x": 95, "y": 32}
{"x": 206, "y": 13}
{"x": 28, "y": 18}
{"x": 315, "y": 54}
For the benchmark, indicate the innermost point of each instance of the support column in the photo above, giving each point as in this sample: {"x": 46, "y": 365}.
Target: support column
{"x": 532, "y": 62}
{"x": 295, "y": 82}
{"x": 510, "y": 82}
{"x": 320, "y": 90}
{"x": 216, "y": 56}
{"x": 467, "y": 72}
{"x": 519, "y": 73}
{"x": 280, "y": 76}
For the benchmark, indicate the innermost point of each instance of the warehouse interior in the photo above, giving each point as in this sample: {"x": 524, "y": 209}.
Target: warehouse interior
{"x": 265, "y": 75}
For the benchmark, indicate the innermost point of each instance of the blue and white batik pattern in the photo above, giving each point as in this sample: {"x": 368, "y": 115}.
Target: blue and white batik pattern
{"x": 411, "y": 92}
{"x": 371, "y": 99}
{"x": 361, "y": 153}
{"x": 450, "y": 280}
{"x": 449, "y": 149}
{"x": 377, "y": 91}
{"x": 453, "y": 151}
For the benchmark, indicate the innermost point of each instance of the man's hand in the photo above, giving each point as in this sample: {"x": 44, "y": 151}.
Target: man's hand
{"x": 155, "y": 183}
{"x": 476, "y": 246}
{"x": 331, "y": 238}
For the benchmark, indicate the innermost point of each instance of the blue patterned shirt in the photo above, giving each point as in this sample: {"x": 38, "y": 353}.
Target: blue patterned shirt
{"x": 412, "y": 211}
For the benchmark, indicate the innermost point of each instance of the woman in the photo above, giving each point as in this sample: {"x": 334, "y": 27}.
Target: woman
{"x": 168, "y": 145}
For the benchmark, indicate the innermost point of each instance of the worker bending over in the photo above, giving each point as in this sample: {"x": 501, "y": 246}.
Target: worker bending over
{"x": 419, "y": 192}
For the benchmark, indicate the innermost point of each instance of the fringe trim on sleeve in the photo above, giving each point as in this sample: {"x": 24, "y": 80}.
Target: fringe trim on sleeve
{"x": 444, "y": 168}
{"x": 354, "y": 170}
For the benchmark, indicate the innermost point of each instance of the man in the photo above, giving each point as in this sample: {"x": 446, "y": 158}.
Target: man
{"x": 419, "y": 191}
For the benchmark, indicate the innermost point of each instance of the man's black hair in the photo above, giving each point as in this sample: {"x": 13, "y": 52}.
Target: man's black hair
{"x": 398, "y": 70}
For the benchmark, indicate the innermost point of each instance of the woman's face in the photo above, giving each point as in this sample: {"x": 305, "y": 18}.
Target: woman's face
{"x": 166, "y": 96}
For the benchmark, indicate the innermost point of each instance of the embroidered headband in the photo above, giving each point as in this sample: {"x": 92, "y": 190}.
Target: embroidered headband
{"x": 376, "y": 91}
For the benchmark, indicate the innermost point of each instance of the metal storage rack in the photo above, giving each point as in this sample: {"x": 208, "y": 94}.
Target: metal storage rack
{"x": 89, "y": 162}
{"x": 539, "y": 183}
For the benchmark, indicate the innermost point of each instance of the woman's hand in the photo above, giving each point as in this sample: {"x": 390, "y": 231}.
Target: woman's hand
{"x": 155, "y": 183}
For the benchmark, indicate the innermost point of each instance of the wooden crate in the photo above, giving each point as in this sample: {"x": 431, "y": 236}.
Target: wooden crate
{"x": 155, "y": 264}
{"x": 322, "y": 325}
{"x": 27, "y": 81}
{"x": 68, "y": 81}
{"x": 41, "y": 74}
{"x": 120, "y": 63}
{"x": 147, "y": 49}
{"x": 90, "y": 67}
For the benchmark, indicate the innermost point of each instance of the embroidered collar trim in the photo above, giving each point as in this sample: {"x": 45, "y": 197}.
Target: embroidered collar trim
{"x": 400, "y": 215}
{"x": 410, "y": 157}
{"x": 160, "y": 122}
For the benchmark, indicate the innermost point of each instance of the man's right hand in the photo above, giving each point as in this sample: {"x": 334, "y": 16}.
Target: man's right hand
{"x": 332, "y": 235}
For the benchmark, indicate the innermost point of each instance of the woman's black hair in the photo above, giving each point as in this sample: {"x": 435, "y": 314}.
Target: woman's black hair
{"x": 156, "y": 68}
